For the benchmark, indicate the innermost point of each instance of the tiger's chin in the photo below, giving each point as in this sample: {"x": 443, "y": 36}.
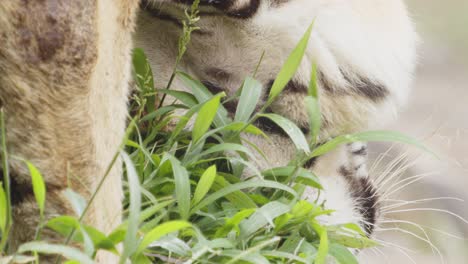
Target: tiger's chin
{"x": 348, "y": 189}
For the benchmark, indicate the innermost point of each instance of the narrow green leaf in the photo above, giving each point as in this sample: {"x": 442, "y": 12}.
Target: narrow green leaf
{"x": 205, "y": 117}
{"x": 315, "y": 119}
{"x": 3, "y": 209}
{"x": 368, "y": 136}
{"x": 160, "y": 112}
{"x": 39, "y": 187}
{"x": 141, "y": 259}
{"x": 204, "y": 185}
{"x": 187, "y": 99}
{"x": 226, "y": 147}
{"x": 238, "y": 198}
{"x": 247, "y": 256}
{"x": 65, "y": 251}
{"x": 183, "y": 123}
{"x": 264, "y": 216}
{"x": 203, "y": 94}
{"x": 353, "y": 241}
{"x": 233, "y": 222}
{"x": 71, "y": 262}
{"x": 250, "y": 129}
{"x": 355, "y": 228}
{"x": 342, "y": 255}
{"x": 284, "y": 255}
{"x": 290, "y": 66}
{"x": 88, "y": 244}
{"x": 243, "y": 185}
{"x": 17, "y": 259}
{"x": 64, "y": 225}
{"x": 284, "y": 172}
{"x": 131, "y": 240}
{"x": 313, "y": 85}
{"x": 77, "y": 201}
{"x": 173, "y": 244}
{"x": 294, "y": 133}
{"x": 253, "y": 254}
{"x": 251, "y": 92}
{"x": 160, "y": 231}
{"x": 182, "y": 186}
{"x": 100, "y": 240}
{"x": 6, "y": 181}
{"x": 322, "y": 253}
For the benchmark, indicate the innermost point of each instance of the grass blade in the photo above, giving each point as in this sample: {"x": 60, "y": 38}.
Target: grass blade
{"x": 322, "y": 253}
{"x": 186, "y": 98}
{"x": 342, "y": 255}
{"x": 205, "y": 117}
{"x": 3, "y": 209}
{"x": 290, "y": 66}
{"x": 250, "y": 95}
{"x": 391, "y": 136}
{"x": 313, "y": 106}
{"x": 182, "y": 186}
{"x": 161, "y": 231}
{"x": 6, "y": 182}
{"x": 204, "y": 185}
{"x": 131, "y": 240}
{"x": 39, "y": 187}
{"x": 203, "y": 94}
{"x": 77, "y": 202}
{"x": 294, "y": 133}
{"x": 242, "y": 185}
{"x": 65, "y": 251}
{"x": 263, "y": 217}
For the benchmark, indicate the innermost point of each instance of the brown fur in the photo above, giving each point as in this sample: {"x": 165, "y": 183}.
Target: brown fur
{"x": 64, "y": 104}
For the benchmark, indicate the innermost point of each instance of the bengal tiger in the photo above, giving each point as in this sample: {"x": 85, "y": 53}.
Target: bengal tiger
{"x": 365, "y": 56}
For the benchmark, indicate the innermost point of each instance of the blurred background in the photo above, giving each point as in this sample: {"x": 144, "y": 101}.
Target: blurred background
{"x": 432, "y": 230}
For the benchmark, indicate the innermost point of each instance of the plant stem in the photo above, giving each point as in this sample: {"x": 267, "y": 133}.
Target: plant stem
{"x": 189, "y": 27}
{"x": 7, "y": 182}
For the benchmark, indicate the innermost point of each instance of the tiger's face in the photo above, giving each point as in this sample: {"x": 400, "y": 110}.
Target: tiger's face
{"x": 364, "y": 52}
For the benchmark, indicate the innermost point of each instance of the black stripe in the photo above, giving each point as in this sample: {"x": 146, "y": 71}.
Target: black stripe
{"x": 231, "y": 106}
{"x": 310, "y": 163}
{"x": 374, "y": 91}
{"x": 359, "y": 85}
{"x": 361, "y": 152}
{"x": 215, "y": 3}
{"x": 159, "y": 14}
{"x": 218, "y": 74}
{"x": 213, "y": 88}
{"x": 277, "y": 3}
{"x": 268, "y": 126}
{"x": 246, "y": 11}
{"x": 19, "y": 191}
{"x": 296, "y": 87}
{"x": 365, "y": 195}
{"x": 156, "y": 13}
{"x": 292, "y": 87}
{"x": 227, "y": 6}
